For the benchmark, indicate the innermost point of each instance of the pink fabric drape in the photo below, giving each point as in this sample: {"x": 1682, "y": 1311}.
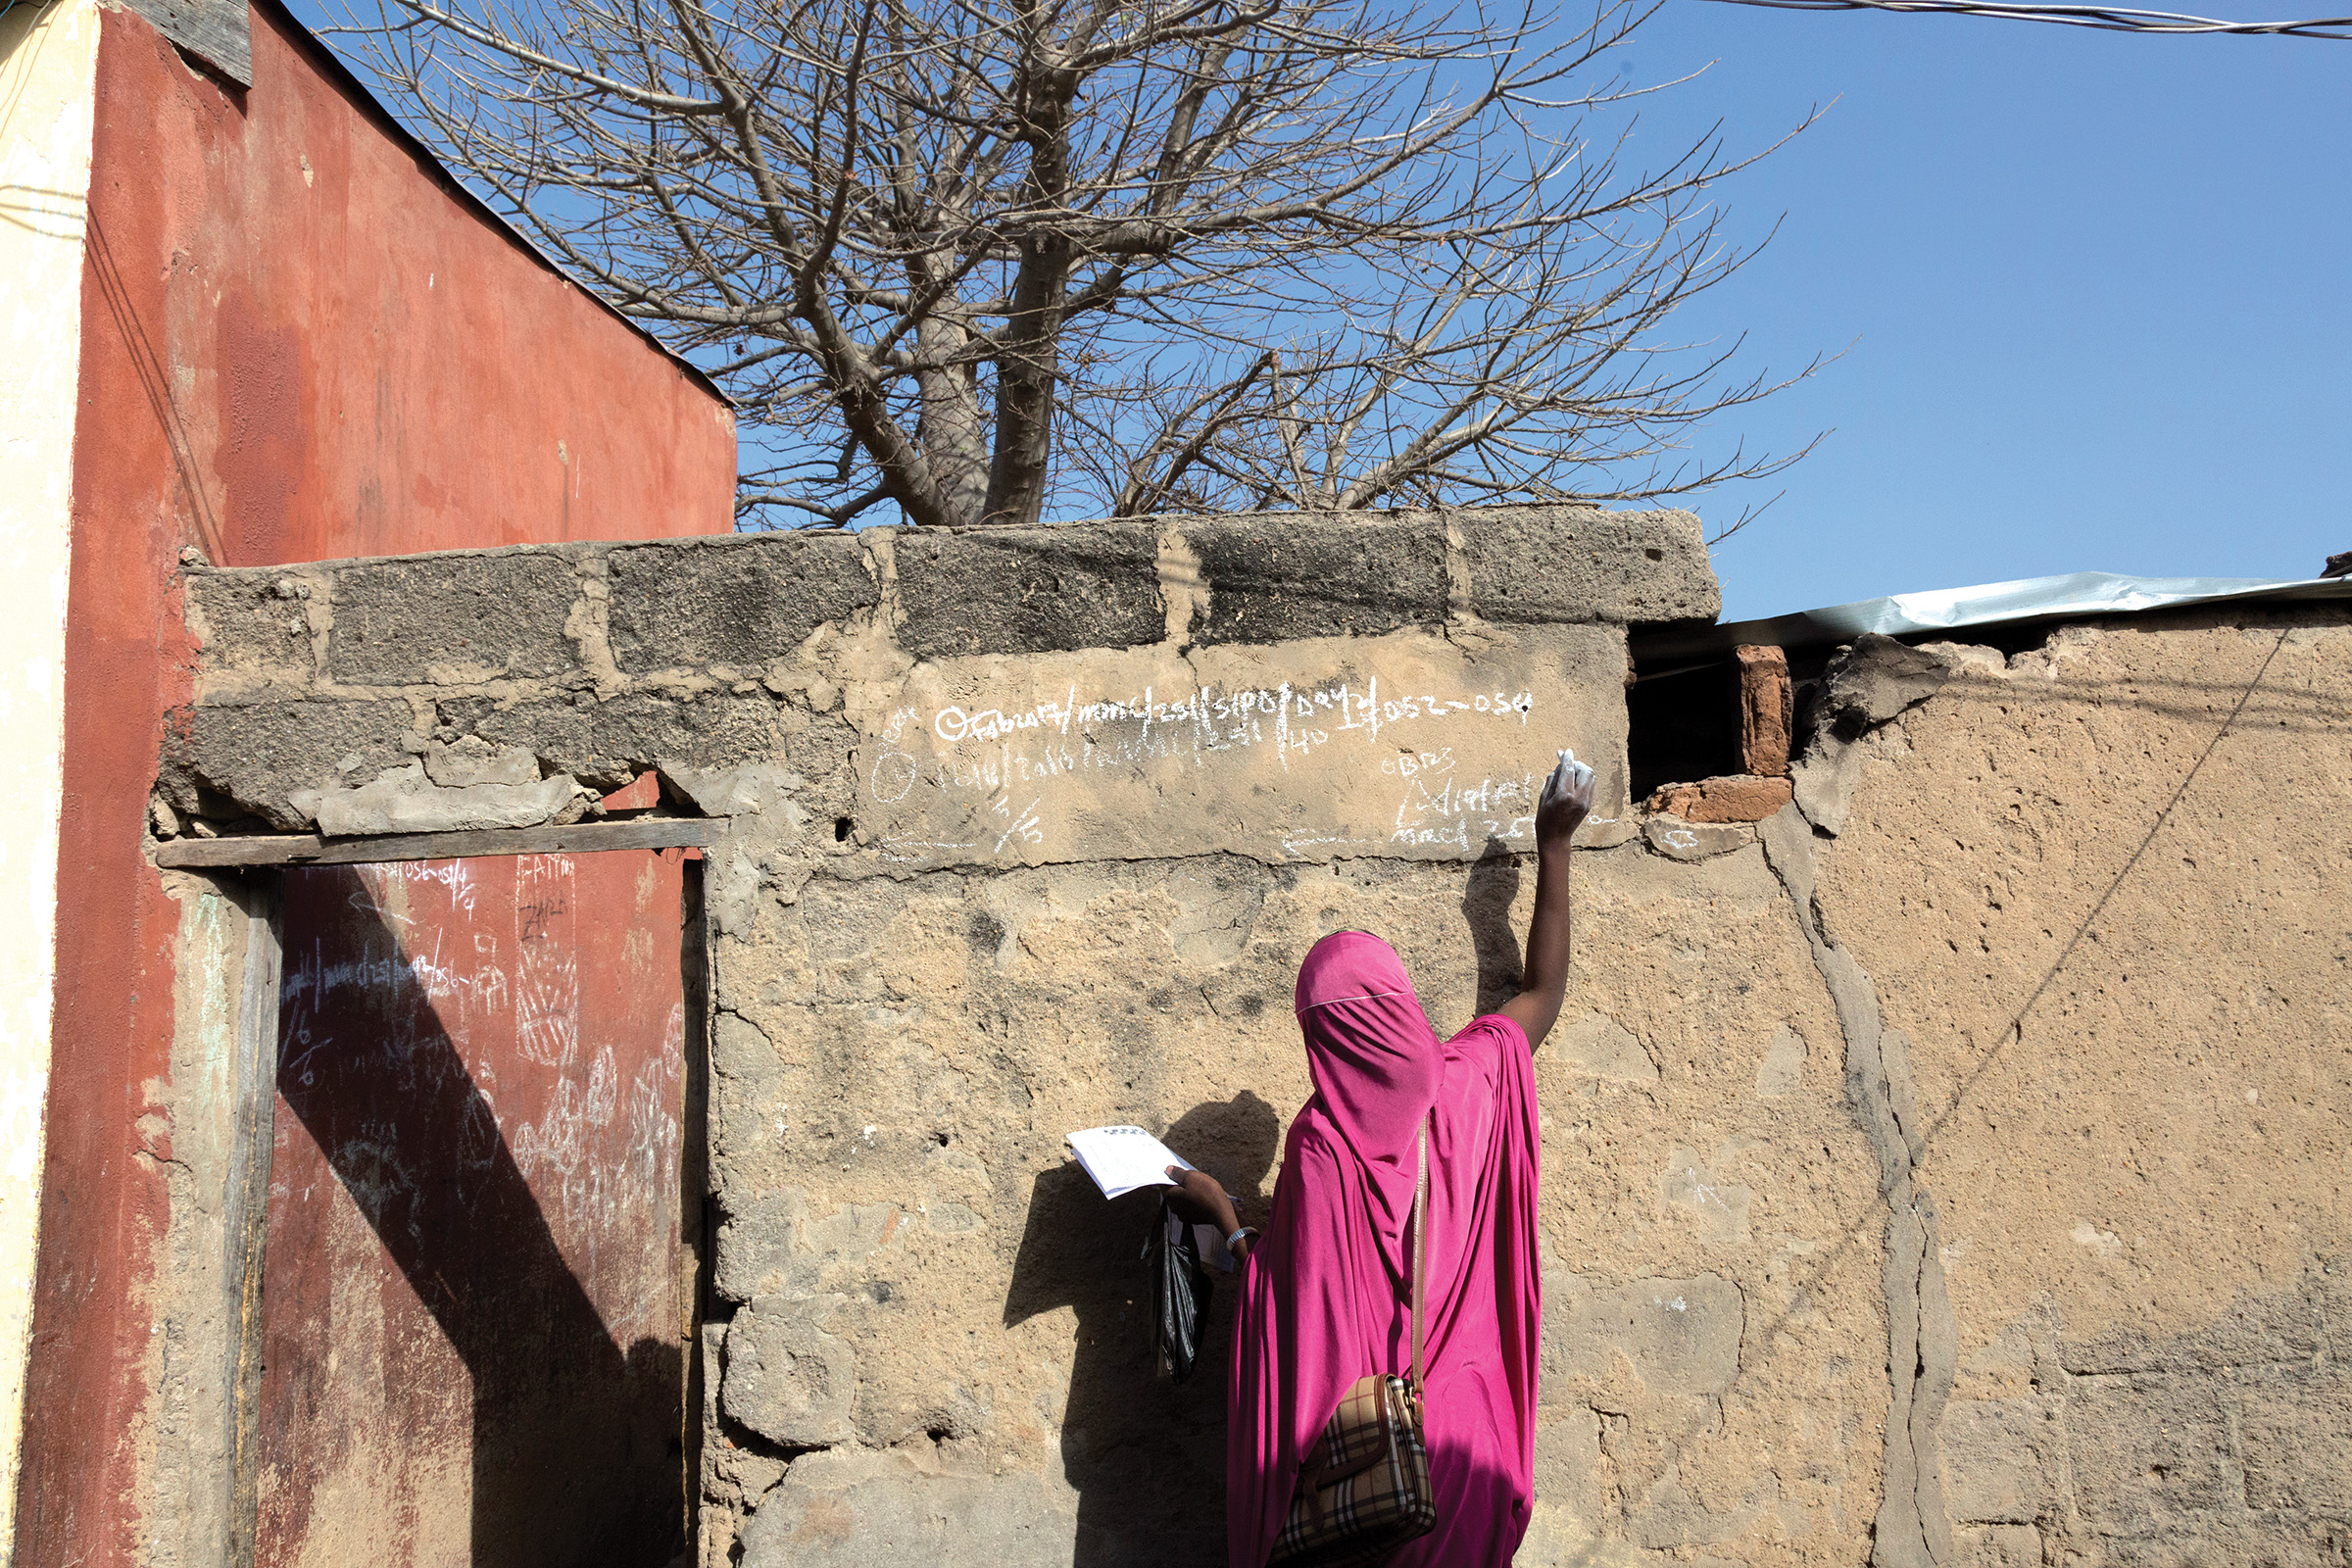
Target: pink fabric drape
{"x": 1324, "y": 1296}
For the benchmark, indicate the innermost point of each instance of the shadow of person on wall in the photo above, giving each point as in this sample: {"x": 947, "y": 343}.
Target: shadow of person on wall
{"x": 577, "y": 1449}
{"x": 1488, "y": 894}
{"x": 1146, "y": 1456}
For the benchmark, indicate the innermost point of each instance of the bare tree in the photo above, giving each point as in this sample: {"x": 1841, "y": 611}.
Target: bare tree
{"x": 983, "y": 259}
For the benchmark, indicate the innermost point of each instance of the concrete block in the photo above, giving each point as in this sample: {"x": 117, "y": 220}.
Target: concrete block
{"x": 1273, "y": 578}
{"x": 2208, "y": 1547}
{"x": 854, "y": 1509}
{"x": 786, "y": 1378}
{"x": 2330, "y": 1293}
{"x": 475, "y": 761}
{"x": 2297, "y": 1435}
{"x": 249, "y": 623}
{"x": 407, "y": 801}
{"x": 744, "y": 601}
{"x": 1998, "y": 1547}
{"x": 2150, "y": 1452}
{"x": 761, "y": 1255}
{"x": 2271, "y": 1328}
{"x": 781, "y": 1248}
{"x": 609, "y": 743}
{"x": 1679, "y": 839}
{"x": 746, "y": 1090}
{"x": 1553, "y": 563}
{"x": 251, "y": 759}
{"x": 2001, "y": 1458}
{"x": 1029, "y": 590}
{"x": 471, "y": 616}
{"x": 1680, "y": 1337}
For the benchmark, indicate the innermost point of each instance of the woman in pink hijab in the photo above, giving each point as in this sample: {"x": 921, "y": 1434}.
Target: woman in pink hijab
{"x": 1326, "y": 1293}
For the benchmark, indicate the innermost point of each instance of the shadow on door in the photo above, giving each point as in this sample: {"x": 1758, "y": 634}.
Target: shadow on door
{"x": 480, "y": 1265}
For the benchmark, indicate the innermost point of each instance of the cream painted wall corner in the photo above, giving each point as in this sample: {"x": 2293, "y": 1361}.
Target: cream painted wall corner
{"x": 48, "y": 76}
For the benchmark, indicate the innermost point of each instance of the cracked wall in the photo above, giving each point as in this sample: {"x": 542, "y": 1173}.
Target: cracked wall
{"x": 1029, "y": 831}
{"x": 2100, "y": 889}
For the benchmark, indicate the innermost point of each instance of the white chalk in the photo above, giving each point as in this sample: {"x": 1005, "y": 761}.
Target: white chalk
{"x": 1571, "y": 782}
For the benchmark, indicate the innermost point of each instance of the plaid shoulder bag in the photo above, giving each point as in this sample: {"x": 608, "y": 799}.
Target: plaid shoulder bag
{"x": 1364, "y": 1490}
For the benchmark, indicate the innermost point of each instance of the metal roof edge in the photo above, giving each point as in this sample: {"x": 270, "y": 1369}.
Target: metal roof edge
{"x": 2001, "y": 604}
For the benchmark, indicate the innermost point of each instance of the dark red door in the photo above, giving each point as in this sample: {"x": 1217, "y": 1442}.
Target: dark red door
{"x": 477, "y": 1290}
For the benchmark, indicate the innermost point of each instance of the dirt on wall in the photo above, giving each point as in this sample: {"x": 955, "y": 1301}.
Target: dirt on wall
{"x": 1841, "y": 1266}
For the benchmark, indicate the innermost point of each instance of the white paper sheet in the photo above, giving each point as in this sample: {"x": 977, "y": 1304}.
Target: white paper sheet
{"x": 1122, "y": 1159}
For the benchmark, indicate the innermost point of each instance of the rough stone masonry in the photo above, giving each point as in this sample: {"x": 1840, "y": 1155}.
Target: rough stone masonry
{"x": 1948, "y": 1169}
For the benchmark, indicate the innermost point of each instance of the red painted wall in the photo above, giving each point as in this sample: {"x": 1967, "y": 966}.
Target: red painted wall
{"x": 298, "y": 343}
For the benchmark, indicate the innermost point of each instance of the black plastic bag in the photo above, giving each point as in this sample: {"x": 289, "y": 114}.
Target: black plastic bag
{"x": 1180, "y": 1289}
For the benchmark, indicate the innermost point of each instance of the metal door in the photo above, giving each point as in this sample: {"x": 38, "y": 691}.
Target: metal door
{"x": 477, "y": 1283}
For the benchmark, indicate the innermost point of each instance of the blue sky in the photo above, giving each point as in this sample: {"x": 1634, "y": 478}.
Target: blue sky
{"x": 2091, "y": 291}
{"x": 2087, "y": 290}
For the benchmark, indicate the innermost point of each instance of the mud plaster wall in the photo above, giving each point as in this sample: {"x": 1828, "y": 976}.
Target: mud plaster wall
{"x": 1832, "y": 1273}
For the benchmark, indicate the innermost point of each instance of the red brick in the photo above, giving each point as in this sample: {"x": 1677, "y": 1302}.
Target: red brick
{"x": 1734, "y": 798}
{"x": 1767, "y": 710}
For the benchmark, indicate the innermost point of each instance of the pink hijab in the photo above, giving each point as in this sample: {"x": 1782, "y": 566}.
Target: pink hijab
{"x": 1325, "y": 1295}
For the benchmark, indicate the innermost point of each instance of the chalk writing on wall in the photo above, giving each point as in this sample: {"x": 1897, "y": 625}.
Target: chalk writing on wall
{"x": 1439, "y": 756}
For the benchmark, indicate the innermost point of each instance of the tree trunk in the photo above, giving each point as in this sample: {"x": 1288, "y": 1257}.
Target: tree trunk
{"x": 1026, "y": 377}
{"x": 950, "y": 428}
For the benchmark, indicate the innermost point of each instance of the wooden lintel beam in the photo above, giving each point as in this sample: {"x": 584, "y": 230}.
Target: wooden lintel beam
{"x": 307, "y": 848}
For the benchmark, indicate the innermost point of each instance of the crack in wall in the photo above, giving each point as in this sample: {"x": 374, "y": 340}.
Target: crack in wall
{"x": 1912, "y": 1529}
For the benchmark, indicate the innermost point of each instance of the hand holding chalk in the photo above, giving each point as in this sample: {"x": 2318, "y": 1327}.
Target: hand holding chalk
{"x": 1566, "y": 801}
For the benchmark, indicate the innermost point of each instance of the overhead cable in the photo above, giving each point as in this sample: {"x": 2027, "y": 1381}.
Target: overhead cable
{"x": 2109, "y": 18}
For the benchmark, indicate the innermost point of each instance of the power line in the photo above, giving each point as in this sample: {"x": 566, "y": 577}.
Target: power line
{"x": 2110, "y": 19}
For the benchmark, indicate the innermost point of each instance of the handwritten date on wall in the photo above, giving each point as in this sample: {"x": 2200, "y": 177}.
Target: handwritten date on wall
{"x": 1432, "y": 761}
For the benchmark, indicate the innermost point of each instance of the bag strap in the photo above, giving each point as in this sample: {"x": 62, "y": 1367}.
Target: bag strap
{"x": 1420, "y": 1251}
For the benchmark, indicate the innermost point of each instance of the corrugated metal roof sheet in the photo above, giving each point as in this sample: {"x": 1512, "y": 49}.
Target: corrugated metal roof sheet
{"x": 1998, "y": 604}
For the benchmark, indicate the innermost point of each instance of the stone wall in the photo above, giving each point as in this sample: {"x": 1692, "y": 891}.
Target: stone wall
{"x": 1947, "y": 1169}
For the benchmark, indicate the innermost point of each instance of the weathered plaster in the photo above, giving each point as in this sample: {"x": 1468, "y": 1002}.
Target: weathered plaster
{"x": 206, "y": 1125}
{"x": 48, "y": 54}
{"x": 2098, "y": 891}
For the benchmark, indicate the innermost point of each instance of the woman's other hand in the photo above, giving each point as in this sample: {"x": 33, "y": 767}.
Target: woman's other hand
{"x": 1566, "y": 801}
{"x": 1202, "y": 1192}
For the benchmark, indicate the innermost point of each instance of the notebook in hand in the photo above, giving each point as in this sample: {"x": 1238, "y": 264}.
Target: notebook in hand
{"x": 1122, "y": 1159}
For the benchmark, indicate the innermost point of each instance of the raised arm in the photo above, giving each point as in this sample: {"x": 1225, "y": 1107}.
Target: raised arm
{"x": 1567, "y": 800}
